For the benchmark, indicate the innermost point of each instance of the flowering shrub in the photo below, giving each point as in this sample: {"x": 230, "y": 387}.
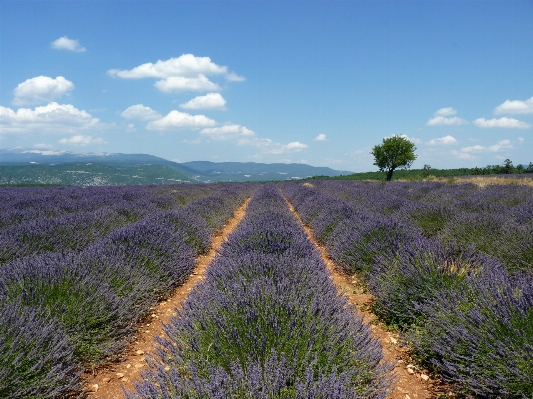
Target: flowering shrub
{"x": 36, "y": 359}
{"x": 481, "y": 337}
{"x": 404, "y": 283}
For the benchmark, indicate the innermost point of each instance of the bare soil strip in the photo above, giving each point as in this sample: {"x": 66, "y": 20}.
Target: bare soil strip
{"x": 412, "y": 383}
{"x": 107, "y": 382}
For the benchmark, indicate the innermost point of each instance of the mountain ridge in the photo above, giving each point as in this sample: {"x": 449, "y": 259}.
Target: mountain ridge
{"x": 21, "y": 166}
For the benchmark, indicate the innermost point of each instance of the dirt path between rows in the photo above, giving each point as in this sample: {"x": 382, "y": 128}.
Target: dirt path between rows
{"x": 108, "y": 381}
{"x": 412, "y": 383}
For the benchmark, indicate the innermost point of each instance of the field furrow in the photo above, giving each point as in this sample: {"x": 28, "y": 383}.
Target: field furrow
{"x": 410, "y": 381}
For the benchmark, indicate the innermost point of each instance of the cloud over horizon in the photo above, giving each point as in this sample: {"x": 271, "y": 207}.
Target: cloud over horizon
{"x": 446, "y": 140}
{"x": 41, "y": 89}
{"x": 467, "y": 152}
{"x": 54, "y": 118}
{"x": 81, "y": 140}
{"x": 504, "y": 122}
{"x": 180, "y": 120}
{"x": 227, "y": 132}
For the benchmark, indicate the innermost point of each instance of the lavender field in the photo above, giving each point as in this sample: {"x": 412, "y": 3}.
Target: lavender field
{"x": 79, "y": 266}
{"x": 449, "y": 265}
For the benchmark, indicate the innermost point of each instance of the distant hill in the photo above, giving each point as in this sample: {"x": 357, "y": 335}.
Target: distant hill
{"x": 27, "y": 166}
{"x": 20, "y": 154}
{"x": 243, "y": 171}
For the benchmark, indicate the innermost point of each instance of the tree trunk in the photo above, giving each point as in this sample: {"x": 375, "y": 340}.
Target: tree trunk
{"x": 389, "y": 174}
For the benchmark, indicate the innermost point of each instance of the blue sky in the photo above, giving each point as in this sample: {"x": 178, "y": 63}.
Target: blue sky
{"x": 318, "y": 82}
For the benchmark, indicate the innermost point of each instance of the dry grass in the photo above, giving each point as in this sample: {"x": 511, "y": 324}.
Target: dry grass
{"x": 483, "y": 181}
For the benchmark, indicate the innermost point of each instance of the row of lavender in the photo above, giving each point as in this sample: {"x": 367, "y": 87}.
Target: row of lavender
{"x": 462, "y": 312}
{"x": 35, "y": 220}
{"x": 62, "y": 311}
{"x": 498, "y": 219}
{"x": 266, "y": 323}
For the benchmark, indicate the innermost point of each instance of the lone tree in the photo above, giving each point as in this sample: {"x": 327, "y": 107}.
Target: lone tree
{"x": 395, "y": 152}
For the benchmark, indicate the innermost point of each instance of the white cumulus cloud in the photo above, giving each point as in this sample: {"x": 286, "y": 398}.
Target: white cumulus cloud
{"x": 180, "y": 83}
{"x": 209, "y": 101}
{"x": 442, "y": 120}
{"x": 501, "y": 145}
{"x": 184, "y": 65}
{"x": 321, "y": 137}
{"x": 180, "y": 120}
{"x": 446, "y": 140}
{"x": 467, "y": 152}
{"x": 474, "y": 148}
{"x": 81, "y": 140}
{"x": 41, "y": 89}
{"x": 504, "y": 122}
{"x": 64, "y": 43}
{"x": 515, "y": 107}
{"x": 227, "y": 132}
{"x": 267, "y": 146}
{"x": 246, "y": 137}
{"x": 447, "y": 111}
{"x": 53, "y": 117}
{"x": 184, "y": 73}
{"x": 295, "y": 146}
{"x": 139, "y": 111}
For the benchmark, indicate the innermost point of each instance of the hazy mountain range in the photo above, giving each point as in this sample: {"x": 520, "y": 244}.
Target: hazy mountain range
{"x": 28, "y": 166}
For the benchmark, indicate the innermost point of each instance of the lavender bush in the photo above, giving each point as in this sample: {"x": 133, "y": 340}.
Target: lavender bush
{"x": 404, "y": 283}
{"x": 36, "y": 358}
{"x": 356, "y": 243}
{"x": 481, "y": 337}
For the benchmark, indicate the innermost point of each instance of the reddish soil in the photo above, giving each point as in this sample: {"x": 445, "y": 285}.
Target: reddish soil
{"x": 411, "y": 382}
{"x": 108, "y": 381}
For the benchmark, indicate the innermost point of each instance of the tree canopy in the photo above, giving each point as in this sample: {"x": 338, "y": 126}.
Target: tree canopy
{"x": 395, "y": 152}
